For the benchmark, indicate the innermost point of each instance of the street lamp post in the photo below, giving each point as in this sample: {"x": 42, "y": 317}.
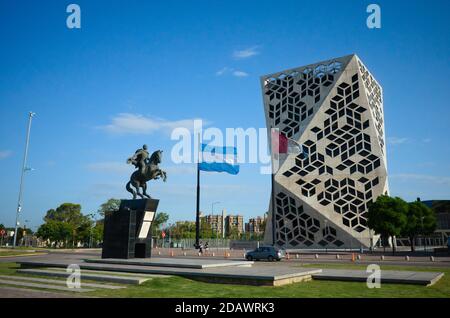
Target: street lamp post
{"x": 24, "y": 169}
{"x": 217, "y": 223}
{"x": 91, "y": 227}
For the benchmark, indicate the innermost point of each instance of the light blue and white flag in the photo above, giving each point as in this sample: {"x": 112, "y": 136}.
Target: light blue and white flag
{"x": 219, "y": 159}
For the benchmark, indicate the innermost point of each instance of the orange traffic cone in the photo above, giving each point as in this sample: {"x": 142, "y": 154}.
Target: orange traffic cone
{"x": 353, "y": 257}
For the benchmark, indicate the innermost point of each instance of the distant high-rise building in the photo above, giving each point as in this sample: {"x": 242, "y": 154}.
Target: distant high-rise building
{"x": 255, "y": 225}
{"x": 216, "y": 223}
{"x": 233, "y": 222}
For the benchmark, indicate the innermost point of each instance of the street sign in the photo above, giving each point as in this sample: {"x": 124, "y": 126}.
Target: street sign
{"x": 163, "y": 234}
{"x": 2, "y": 232}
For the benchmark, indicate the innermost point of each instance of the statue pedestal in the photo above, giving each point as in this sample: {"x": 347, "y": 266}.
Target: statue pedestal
{"x": 128, "y": 232}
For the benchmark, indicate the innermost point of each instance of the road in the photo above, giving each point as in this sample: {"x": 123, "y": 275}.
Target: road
{"x": 417, "y": 259}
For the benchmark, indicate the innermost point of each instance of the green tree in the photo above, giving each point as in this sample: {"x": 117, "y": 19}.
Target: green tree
{"x": 206, "y": 230}
{"x": 420, "y": 220}
{"x": 47, "y": 231}
{"x": 110, "y": 205}
{"x": 387, "y": 217}
{"x": 56, "y": 231}
{"x": 233, "y": 233}
{"x": 65, "y": 225}
{"x": 97, "y": 232}
{"x": 160, "y": 219}
{"x": 66, "y": 212}
{"x": 84, "y": 230}
{"x": 182, "y": 230}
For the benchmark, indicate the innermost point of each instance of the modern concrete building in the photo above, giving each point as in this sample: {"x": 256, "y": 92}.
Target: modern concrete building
{"x": 442, "y": 210}
{"x": 335, "y": 110}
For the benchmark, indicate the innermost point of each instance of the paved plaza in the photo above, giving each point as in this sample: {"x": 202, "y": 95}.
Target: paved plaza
{"x": 47, "y": 271}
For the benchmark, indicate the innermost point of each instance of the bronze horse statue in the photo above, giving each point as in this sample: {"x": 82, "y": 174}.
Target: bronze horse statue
{"x": 148, "y": 170}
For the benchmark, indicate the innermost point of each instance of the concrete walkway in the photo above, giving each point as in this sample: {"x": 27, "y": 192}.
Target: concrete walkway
{"x": 42, "y": 286}
{"x": 15, "y": 292}
{"x": 57, "y": 282}
{"x": 260, "y": 272}
{"x": 386, "y": 276}
{"x": 133, "y": 280}
{"x": 258, "y": 275}
{"x": 198, "y": 263}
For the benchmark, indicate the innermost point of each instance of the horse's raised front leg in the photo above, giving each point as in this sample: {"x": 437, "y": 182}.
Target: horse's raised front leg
{"x": 162, "y": 175}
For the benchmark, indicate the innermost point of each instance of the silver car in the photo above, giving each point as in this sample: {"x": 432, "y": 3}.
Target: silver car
{"x": 269, "y": 253}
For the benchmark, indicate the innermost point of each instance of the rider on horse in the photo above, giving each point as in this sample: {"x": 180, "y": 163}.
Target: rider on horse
{"x": 148, "y": 169}
{"x": 140, "y": 159}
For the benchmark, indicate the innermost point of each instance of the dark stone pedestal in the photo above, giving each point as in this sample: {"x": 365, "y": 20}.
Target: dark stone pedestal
{"x": 128, "y": 232}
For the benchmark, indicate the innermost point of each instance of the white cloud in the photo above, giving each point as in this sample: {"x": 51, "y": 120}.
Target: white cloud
{"x": 397, "y": 140}
{"x": 246, "y": 53}
{"x": 403, "y": 140}
{"x": 5, "y": 154}
{"x": 127, "y": 123}
{"x": 222, "y": 71}
{"x": 240, "y": 74}
{"x": 232, "y": 71}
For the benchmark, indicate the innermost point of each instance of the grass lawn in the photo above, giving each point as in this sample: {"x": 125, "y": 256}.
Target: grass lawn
{"x": 179, "y": 287}
{"x": 4, "y": 252}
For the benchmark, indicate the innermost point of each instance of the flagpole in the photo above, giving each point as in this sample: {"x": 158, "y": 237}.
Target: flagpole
{"x": 197, "y": 216}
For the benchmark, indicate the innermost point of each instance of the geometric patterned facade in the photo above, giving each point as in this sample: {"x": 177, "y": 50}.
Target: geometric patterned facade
{"x": 334, "y": 109}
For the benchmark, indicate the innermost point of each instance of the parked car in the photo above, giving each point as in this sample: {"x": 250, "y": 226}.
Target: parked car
{"x": 269, "y": 253}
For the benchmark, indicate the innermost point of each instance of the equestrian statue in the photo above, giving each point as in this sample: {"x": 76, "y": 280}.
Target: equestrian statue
{"x": 147, "y": 169}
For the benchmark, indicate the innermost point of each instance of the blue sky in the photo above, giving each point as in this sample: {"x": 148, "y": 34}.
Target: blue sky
{"x": 167, "y": 62}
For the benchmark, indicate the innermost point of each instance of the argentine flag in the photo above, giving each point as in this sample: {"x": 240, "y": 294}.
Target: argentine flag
{"x": 219, "y": 159}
